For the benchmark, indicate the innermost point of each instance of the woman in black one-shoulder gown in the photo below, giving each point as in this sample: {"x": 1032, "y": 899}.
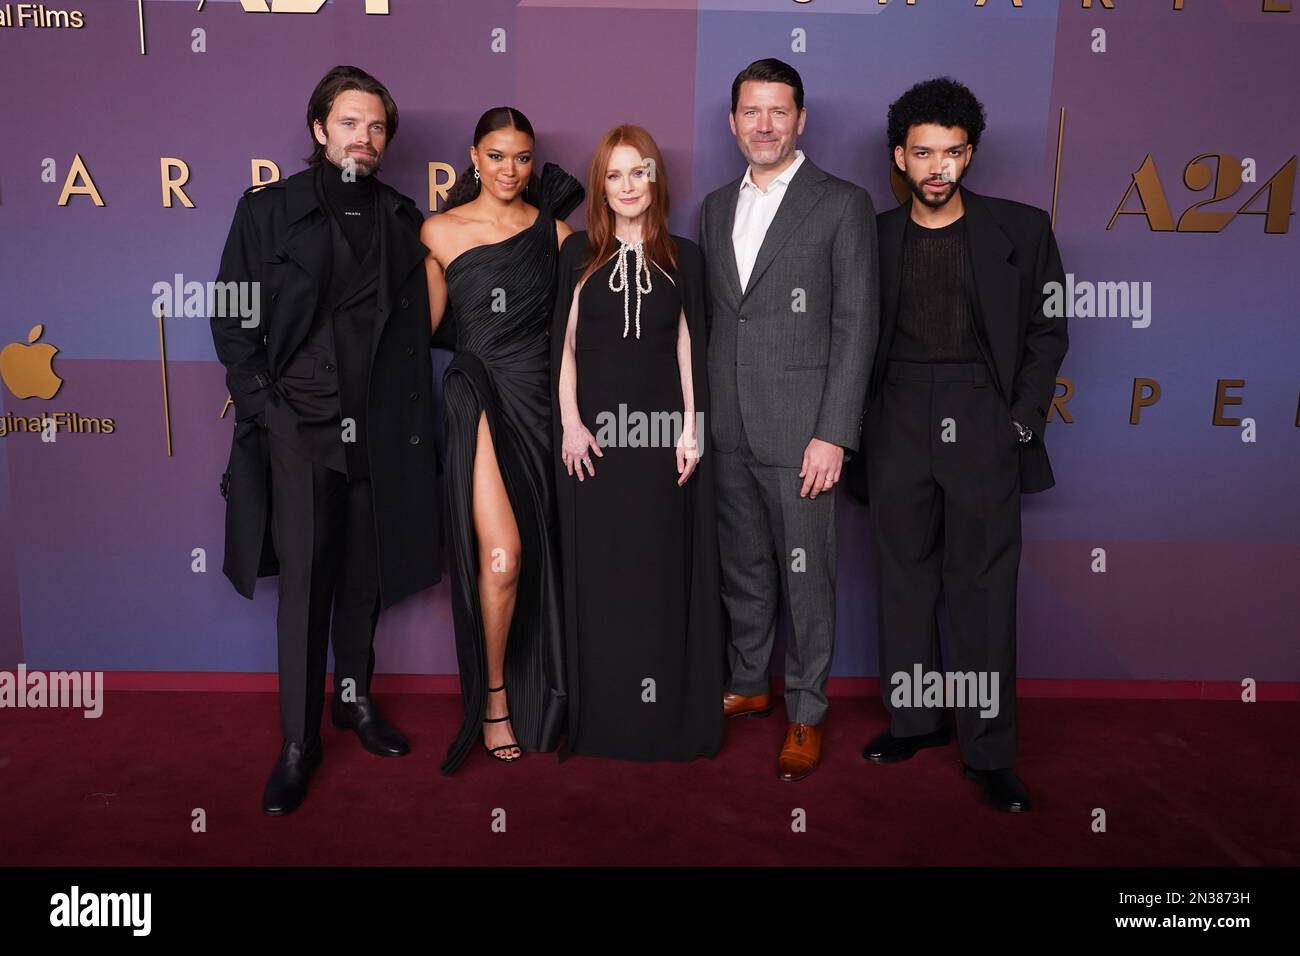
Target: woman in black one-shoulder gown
{"x": 499, "y": 297}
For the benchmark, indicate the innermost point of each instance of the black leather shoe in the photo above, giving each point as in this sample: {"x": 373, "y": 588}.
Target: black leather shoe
{"x": 890, "y": 749}
{"x": 1002, "y": 788}
{"x": 376, "y": 734}
{"x": 287, "y": 785}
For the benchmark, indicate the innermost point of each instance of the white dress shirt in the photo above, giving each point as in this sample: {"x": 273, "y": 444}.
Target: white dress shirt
{"x": 755, "y": 210}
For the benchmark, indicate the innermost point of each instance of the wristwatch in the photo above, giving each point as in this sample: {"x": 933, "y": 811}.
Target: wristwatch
{"x": 1026, "y": 435}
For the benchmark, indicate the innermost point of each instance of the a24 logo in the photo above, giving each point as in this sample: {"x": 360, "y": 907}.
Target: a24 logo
{"x": 1226, "y": 175}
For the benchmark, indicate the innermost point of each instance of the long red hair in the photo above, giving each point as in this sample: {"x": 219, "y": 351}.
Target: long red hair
{"x": 658, "y": 244}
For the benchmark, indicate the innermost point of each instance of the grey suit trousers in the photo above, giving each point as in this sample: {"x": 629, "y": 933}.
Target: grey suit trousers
{"x": 773, "y": 541}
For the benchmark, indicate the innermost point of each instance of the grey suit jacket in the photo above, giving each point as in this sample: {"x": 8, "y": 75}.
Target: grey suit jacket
{"x": 790, "y": 355}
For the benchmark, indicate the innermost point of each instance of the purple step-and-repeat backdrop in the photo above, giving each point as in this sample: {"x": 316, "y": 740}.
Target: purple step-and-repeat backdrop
{"x": 1162, "y": 133}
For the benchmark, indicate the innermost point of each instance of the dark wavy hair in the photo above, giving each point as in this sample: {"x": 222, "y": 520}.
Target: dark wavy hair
{"x": 340, "y": 80}
{"x": 770, "y": 70}
{"x": 467, "y": 187}
{"x": 942, "y": 101}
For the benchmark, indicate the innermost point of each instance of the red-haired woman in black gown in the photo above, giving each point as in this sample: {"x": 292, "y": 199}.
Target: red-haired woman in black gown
{"x": 492, "y": 271}
{"x": 643, "y": 614}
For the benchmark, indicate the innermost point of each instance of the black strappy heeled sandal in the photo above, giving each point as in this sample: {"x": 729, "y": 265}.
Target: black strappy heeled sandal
{"x": 506, "y": 747}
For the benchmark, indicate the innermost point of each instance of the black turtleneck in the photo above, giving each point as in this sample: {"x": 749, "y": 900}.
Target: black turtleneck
{"x": 352, "y": 204}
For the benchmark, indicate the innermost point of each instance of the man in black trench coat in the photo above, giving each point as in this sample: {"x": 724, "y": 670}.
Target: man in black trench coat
{"x": 331, "y": 482}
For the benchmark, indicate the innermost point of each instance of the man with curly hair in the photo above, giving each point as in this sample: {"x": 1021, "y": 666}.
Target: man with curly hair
{"x": 960, "y": 389}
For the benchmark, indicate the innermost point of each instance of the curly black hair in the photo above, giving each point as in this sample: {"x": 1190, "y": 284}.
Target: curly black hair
{"x": 942, "y": 101}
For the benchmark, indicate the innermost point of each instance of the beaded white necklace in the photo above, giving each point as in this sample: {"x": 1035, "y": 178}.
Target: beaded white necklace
{"x": 618, "y": 280}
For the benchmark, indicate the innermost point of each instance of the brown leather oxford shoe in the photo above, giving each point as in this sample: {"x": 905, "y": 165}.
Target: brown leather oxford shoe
{"x": 801, "y": 753}
{"x": 735, "y": 705}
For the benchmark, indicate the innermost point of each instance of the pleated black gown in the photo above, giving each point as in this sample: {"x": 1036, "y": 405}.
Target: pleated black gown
{"x": 500, "y": 297}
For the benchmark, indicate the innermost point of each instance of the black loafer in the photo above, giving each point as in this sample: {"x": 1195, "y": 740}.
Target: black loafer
{"x": 287, "y": 785}
{"x": 1002, "y": 788}
{"x": 376, "y": 734}
{"x": 887, "y": 748}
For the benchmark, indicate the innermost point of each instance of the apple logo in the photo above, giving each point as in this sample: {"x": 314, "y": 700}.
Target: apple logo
{"x": 28, "y": 370}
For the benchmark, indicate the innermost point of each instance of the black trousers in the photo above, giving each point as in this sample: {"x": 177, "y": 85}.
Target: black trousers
{"x": 323, "y": 526}
{"x": 943, "y": 478}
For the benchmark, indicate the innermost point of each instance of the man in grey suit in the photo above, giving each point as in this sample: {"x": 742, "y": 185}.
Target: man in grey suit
{"x": 794, "y": 316}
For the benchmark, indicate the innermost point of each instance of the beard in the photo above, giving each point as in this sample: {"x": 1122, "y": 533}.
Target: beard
{"x": 931, "y": 200}
{"x": 364, "y": 164}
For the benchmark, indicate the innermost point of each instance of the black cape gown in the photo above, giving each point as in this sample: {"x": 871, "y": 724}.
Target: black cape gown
{"x": 639, "y": 555}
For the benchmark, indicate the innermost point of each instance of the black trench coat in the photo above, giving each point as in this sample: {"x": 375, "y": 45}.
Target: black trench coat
{"x": 280, "y": 238}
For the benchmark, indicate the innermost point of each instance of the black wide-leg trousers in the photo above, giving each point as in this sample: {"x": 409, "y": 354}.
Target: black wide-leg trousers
{"x": 943, "y": 478}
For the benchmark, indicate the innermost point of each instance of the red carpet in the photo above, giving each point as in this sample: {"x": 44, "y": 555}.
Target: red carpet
{"x": 1182, "y": 783}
